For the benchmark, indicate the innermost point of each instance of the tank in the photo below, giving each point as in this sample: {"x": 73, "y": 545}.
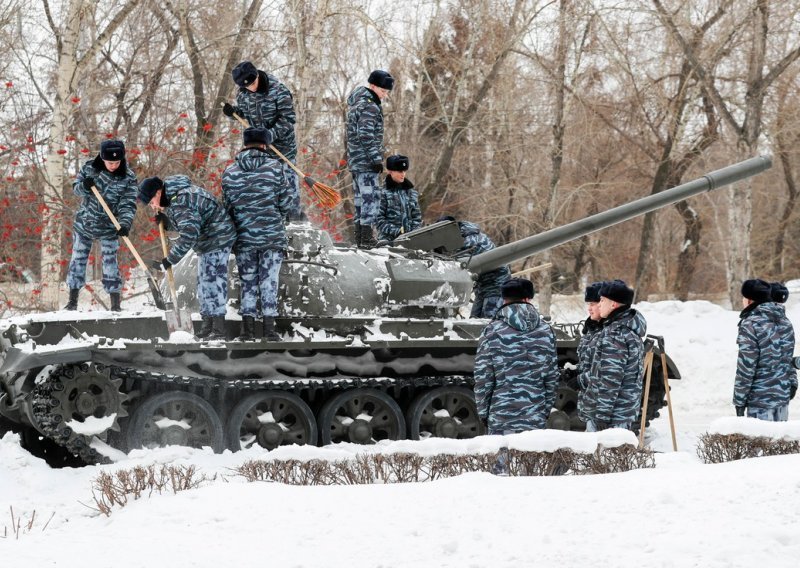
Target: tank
{"x": 374, "y": 347}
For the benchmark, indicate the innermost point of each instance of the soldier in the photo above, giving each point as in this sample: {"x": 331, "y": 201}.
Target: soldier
{"x": 765, "y": 379}
{"x": 254, "y": 193}
{"x": 588, "y": 341}
{"x": 614, "y": 382}
{"x": 265, "y": 102}
{"x": 487, "y": 287}
{"x": 203, "y": 225}
{"x": 516, "y": 367}
{"x": 365, "y": 151}
{"x": 399, "y": 209}
{"x": 109, "y": 173}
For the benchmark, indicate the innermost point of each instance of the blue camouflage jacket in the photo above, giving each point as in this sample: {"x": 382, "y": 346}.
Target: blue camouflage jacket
{"x": 399, "y": 210}
{"x": 270, "y": 107}
{"x": 200, "y": 220}
{"x": 516, "y": 370}
{"x": 364, "y": 130}
{"x": 255, "y": 194}
{"x": 614, "y": 389}
{"x": 586, "y": 349}
{"x": 764, "y": 371}
{"x": 476, "y": 242}
{"x": 119, "y": 191}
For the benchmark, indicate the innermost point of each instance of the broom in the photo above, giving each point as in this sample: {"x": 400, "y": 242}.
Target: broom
{"x": 325, "y": 194}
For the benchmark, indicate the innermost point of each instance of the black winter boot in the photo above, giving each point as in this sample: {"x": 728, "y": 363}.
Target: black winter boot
{"x": 115, "y": 299}
{"x": 269, "y": 330}
{"x": 217, "y": 328}
{"x": 357, "y": 230}
{"x": 367, "y": 237}
{"x": 205, "y": 327}
{"x": 248, "y": 329}
{"x": 73, "y": 299}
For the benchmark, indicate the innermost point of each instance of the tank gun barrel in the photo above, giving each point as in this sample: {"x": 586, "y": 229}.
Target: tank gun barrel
{"x": 528, "y": 246}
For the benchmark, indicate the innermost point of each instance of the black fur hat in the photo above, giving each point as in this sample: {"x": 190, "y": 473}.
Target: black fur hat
{"x": 382, "y": 79}
{"x": 244, "y": 73}
{"x": 112, "y": 150}
{"x": 779, "y": 292}
{"x": 397, "y": 163}
{"x": 255, "y": 136}
{"x": 148, "y": 188}
{"x": 517, "y": 289}
{"x": 592, "y": 292}
{"x": 617, "y": 291}
{"x": 757, "y": 290}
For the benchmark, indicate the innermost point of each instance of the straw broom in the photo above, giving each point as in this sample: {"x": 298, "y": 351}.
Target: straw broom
{"x": 325, "y": 194}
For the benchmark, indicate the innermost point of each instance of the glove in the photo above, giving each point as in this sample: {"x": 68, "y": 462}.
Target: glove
{"x": 162, "y": 264}
{"x": 229, "y": 110}
{"x": 740, "y": 410}
{"x": 162, "y": 218}
{"x": 88, "y": 182}
{"x": 485, "y": 423}
{"x": 792, "y": 392}
{"x": 601, "y": 425}
{"x": 123, "y": 231}
{"x": 377, "y": 167}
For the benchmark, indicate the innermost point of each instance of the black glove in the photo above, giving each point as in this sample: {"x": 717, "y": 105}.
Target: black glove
{"x": 601, "y": 425}
{"x": 228, "y": 110}
{"x": 377, "y": 167}
{"x": 740, "y": 410}
{"x": 162, "y": 218}
{"x": 123, "y": 231}
{"x": 162, "y": 264}
{"x": 88, "y": 182}
{"x": 792, "y": 392}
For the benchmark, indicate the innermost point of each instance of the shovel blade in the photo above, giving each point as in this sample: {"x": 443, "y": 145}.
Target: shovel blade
{"x": 157, "y": 296}
{"x": 178, "y": 320}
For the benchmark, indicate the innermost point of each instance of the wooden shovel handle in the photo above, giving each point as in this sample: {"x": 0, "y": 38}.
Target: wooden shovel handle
{"x": 246, "y": 124}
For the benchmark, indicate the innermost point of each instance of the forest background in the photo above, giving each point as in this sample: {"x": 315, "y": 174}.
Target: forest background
{"x": 519, "y": 115}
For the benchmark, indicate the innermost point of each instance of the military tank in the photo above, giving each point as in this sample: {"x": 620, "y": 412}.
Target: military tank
{"x": 373, "y": 348}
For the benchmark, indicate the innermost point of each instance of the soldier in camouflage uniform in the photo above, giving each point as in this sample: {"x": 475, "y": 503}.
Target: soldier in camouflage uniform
{"x": 365, "y": 151}
{"x": 613, "y": 394}
{"x": 266, "y": 103}
{"x": 109, "y": 173}
{"x": 254, "y": 193}
{"x": 486, "y": 291}
{"x": 399, "y": 210}
{"x": 203, "y": 225}
{"x": 516, "y": 367}
{"x": 765, "y": 378}
{"x": 588, "y": 341}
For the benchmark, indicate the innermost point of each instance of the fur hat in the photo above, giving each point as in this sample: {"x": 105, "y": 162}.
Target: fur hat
{"x": 397, "y": 163}
{"x": 592, "y": 292}
{"x": 445, "y": 218}
{"x": 617, "y": 291}
{"x": 381, "y": 79}
{"x": 757, "y": 290}
{"x": 518, "y": 289}
{"x": 255, "y": 136}
{"x": 112, "y": 150}
{"x": 148, "y": 188}
{"x": 779, "y": 292}
{"x": 244, "y": 73}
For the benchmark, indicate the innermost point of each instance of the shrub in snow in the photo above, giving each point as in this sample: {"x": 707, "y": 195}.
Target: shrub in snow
{"x": 719, "y": 448}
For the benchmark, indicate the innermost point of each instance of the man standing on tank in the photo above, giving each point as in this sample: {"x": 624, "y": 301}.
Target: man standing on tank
{"x": 108, "y": 172}
{"x": 365, "y": 151}
{"x": 516, "y": 366}
{"x": 765, "y": 378}
{"x": 266, "y": 103}
{"x": 254, "y": 193}
{"x": 203, "y": 225}
{"x": 613, "y": 394}
{"x": 399, "y": 210}
{"x": 588, "y": 342}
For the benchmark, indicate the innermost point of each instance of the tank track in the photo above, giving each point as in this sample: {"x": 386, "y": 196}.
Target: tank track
{"x": 50, "y": 422}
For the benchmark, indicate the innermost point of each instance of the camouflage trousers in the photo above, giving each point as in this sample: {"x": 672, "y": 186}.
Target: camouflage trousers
{"x": 366, "y": 197}
{"x": 259, "y": 271}
{"x": 81, "y": 247}
{"x": 485, "y": 306}
{"x": 780, "y": 414}
{"x": 212, "y": 282}
{"x": 296, "y": 206}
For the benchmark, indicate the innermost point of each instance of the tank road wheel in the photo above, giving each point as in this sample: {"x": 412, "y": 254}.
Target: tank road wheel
{"x": 269, "y": 420}
{"x": 176, "y": 418}
{"x": 361, "y": 416}
{"x": 444, "y": 412}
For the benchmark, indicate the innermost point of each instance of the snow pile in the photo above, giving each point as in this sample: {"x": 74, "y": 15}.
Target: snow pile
{"x": 755, "y": 428}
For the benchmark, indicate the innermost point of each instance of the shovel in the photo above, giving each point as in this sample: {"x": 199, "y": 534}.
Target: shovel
{"x": 151, "y": 282}
{"x": 179, "y": 320}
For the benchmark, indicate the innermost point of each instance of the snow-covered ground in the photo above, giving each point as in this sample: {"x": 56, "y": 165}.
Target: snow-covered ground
{"x": 682, "y": 513}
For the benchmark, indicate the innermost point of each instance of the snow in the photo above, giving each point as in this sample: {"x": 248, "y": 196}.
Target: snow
{"x": 682, "y": 513}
